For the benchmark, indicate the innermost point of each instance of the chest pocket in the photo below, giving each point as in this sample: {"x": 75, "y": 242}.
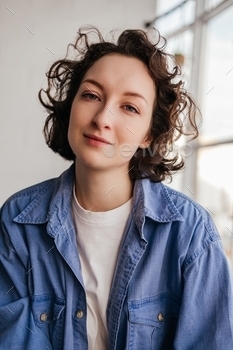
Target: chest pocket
{"x": 152, "y": 322}
{"x": 48, "y": 315}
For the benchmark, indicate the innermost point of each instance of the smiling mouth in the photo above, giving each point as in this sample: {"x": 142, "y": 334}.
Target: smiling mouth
{"x": 97, "y": 139}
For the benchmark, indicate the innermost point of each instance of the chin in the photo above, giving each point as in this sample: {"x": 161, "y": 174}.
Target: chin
{"x": 93, "y": 162}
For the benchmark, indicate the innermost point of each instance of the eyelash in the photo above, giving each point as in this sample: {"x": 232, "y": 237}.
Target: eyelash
{"x": 89, "y": 95}
{"x": 134, "y": 109}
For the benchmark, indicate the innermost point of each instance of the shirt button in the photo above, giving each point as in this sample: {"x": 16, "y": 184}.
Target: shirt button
{"x": 79, "y": 314}
{"x": 43, "y": 317}
{"x": 160, "y": 317}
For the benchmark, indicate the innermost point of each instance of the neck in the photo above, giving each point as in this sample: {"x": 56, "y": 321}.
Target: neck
{"x": 102, "y": 190}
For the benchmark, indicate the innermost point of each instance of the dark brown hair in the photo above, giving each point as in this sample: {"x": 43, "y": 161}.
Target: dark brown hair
{"x": 174, "y": 112}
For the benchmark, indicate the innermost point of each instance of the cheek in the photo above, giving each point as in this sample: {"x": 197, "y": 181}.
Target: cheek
{"x": 76, "y": 121}
{"x": 69, "y": 135}
{"x": 72, "y": 128}
{"x": 74, "y": 112}
{"x": 135, "y": 132}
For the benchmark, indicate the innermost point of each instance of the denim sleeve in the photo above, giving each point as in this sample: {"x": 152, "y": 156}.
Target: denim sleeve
{"x": 18, "y": 330}
{"x": 206, "y": 314}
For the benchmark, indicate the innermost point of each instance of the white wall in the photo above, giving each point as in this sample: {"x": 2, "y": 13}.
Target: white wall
{"x": 24, "y": 157}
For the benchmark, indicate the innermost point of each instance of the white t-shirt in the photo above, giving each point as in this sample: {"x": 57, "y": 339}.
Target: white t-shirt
{"x": 99, "y": 235}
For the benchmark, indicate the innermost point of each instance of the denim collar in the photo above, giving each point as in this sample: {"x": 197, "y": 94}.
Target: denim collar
{"x": 150, "y": 199}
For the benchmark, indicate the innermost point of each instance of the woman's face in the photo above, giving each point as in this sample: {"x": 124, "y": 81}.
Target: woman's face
{"x": 111, "y": 113}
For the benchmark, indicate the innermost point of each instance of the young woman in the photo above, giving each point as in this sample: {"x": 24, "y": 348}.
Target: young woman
{"x": 106, "y": 256}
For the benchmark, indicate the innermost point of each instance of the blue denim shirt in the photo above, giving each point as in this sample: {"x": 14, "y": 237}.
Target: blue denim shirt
{"x": 171, "y": 288}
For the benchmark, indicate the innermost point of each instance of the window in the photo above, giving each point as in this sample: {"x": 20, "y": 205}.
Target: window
{"x": 181, "y": 46}
{"x": 209, "y": 4}
{"x": 201, "y": 32}
{"x": 216, "y": 84}
{"x": 174, "y": 15}
{"x": 215, "y": 189}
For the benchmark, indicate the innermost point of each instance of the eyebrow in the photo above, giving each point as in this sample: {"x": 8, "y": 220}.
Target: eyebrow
{"x": 135, "y": 94}
{"x": 93, "y": 82}
{"x": 127, "y": 93}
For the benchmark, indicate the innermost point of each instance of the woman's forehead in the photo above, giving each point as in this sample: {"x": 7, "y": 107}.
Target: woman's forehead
{"x": 121, "y": 72}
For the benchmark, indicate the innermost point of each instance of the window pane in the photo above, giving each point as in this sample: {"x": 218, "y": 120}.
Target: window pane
{"x": 217, "y": 81}
{"x": 177, "y": 19}
{"x": 181, "y": 45}
{"x": 215, "y": 190}
{"x": 209, "y": 4}
{"x": 164, "y": 6}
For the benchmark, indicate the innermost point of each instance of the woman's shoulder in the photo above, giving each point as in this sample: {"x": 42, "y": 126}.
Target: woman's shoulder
{"x": 23, "y": 200}
{"x": 186, "y": 223}
{"x": 165, "y": 204}
{"x": 38, "y": 195}
{"x": 182, "y": 202}
{"x": 163, "y": 201}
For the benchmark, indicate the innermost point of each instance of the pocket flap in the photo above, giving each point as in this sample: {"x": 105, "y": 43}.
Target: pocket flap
{"x": 154, "y": 311}
{"x": 46, "y": 308}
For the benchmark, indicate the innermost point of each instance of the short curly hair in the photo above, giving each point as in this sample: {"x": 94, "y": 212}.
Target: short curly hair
{"x": 174, "y": 113}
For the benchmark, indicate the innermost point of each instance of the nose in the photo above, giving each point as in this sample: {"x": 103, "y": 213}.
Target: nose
{"x": 103, "y": 118}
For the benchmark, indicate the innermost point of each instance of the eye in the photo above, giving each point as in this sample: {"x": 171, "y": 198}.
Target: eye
{"x": 131, "y": 109}
{"x": 90, "y": 96}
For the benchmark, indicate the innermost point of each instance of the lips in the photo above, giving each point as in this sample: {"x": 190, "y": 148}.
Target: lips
{"x": 97, "y": 138}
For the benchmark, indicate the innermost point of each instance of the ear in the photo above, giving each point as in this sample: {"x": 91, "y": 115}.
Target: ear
{"x": 146, "y": 143}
